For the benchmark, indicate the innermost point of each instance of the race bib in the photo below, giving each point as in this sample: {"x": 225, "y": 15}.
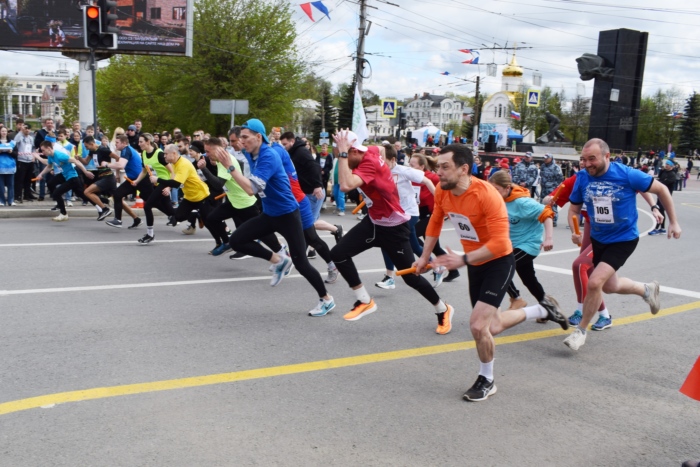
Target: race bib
{"x": 94, "y": 159}
{"x": 463, "y": 226}
{"x": 416, "y": 191}
{"x": 365, "y": 198}
{"x": 603, "y": 209}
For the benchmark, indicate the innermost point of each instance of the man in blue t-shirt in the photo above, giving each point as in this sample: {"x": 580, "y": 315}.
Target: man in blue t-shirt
{"x": 129, "y": 160}
{"x": 269, "y": 180}
{"x": 609, "y": 191}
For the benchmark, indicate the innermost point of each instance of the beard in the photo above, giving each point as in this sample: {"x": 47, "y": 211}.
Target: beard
{"x": 447, "y": 185}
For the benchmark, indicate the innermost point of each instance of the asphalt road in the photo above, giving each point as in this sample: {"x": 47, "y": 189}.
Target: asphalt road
{"x": 119, "y": 354}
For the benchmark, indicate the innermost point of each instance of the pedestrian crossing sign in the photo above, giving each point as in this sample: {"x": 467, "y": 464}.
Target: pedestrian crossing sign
{"x": 389, "y": 107}
{"x": 533, "y": 97}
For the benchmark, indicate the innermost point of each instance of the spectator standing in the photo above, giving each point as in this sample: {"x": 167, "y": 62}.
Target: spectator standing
{"x": 551, "y": 177}
{"x": 25, "y": 165}
{"x": 8, "y": 167}
{"x": 525, "y": 173}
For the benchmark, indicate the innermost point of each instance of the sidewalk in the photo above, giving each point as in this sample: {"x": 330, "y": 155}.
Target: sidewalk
{"x": 31, "y": 209}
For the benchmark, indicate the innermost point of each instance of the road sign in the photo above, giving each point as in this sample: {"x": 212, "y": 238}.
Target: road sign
{"x": 533, "y": 97}
{"x": 324, "y": 141}
{"x": 389, "y": 107}
{"x": 228, "y": 107}
{"x": 323, "y": 134}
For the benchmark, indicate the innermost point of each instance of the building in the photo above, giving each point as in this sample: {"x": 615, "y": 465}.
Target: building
{"x": 37, "y": 97}
{"x": 303, "y": 116}
{"x": 379, "y": 127}
{"x": 431, "y": 109}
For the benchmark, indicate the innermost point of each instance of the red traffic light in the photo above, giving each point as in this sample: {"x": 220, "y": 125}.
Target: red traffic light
{"x": 92, "y": 12}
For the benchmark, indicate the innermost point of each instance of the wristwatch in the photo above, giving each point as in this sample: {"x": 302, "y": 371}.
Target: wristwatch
{"x": 231, "y": 168}
{"x": 344, "y": 155}
{"x": 465, "y": 259}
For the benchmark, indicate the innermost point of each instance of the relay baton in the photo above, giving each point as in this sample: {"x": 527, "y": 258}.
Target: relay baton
{"x": 359, "y": 207}
{"x": 218, "y": 197}
{"x": 577, "y": 229}
{"x": 403, "y": 272}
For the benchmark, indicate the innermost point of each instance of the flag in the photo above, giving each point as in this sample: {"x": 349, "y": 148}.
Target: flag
{"x": 307, "y": 9}
{"x": 677, "y": 115}
{"x": 445, "y": 73}
{"x": 472, "y": 61}
{"x": 359, "y": 120}
{"x": 449, "y": 136}
{"x": 514, "y": 115}
{"x": 466, "y": 51}
{"x": 322, "y": 8}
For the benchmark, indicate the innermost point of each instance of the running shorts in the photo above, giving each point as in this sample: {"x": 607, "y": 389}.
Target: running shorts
{"x": 614, "y": 254}
{"x": 488, "y": 282}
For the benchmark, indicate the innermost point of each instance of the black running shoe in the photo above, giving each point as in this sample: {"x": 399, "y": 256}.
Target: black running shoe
{"x": 104, "y": 200}
{"x": 114, "y": 223}
{"x": 146, "y": 239}
{"x": 338, "y": 234}
{"x": 311, "y": 254}
{"x": 553, "y": 313}
{"x": 103, "y": 215}
{"x": 136, "y": 223}
{"x": 239, "y": 255}
{"x": 481, "y": 390}
{"x": 172, "y": 221}
{"x": 452, "y": 275}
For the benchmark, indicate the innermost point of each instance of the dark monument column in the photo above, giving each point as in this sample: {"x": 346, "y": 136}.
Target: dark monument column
{"x": 617, "y": 95}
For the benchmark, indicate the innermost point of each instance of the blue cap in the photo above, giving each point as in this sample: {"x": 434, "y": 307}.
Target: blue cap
{"x": 257, "y": 126}
{"x": 668, "y": 162}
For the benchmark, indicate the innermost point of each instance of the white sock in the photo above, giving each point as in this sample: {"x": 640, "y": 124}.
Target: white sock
{"x": 362, "y": 295}
{"x": 331, "y": 266}
{"x": 579, "y": 307}
{"x": 149, "y": 231}
{"x": 605, "y": 313}
{"x": 440, "y": 307}
{"x": 99, "y": 209}
{"x": 330, "y": 299}
{"x": 535, "y": 312}
{"x": 486, "y": 370}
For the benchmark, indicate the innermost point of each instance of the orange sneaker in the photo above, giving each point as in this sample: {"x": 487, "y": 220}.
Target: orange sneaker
{"x": 445, "y": 321}
{"x": 360, "y": 309}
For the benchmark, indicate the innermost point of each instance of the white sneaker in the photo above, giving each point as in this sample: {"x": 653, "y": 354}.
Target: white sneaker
{"x": 576, "y": 339}
{"x": 322, "y": 308}
{"x": 439, "y": 273}
{"x": 190, "y": 230}
{"x": 60, "y": 218}
{"x": 69, "y": 204}
{"x": 653, "y": 298}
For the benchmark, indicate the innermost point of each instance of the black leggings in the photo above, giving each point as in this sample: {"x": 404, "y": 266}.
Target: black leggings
{"x": 393, "y": 240}
{"x": 73, "y": 184}
{"x": 217, "y": 227}
{"x": 159, "y": 201}
{"x": 525, "y": 268}
{"x": 186, "y": 207}
{"x": 315, "y": 242}
{"x": 289, "y": 226}
{"x": 125, "y": 189}
{"x": 420, "y": 232}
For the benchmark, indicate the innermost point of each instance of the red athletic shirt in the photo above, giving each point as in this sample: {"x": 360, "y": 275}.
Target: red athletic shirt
{"x": 379, "y": 190}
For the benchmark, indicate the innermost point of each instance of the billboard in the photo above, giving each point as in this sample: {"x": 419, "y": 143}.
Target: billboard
{"x": 162, "y": 27}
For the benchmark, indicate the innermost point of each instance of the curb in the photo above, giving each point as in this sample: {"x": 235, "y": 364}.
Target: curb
{"x": 39, "y": 212}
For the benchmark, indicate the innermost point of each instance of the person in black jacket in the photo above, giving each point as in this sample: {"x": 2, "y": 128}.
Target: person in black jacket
{"x": 310, "y": 181}
{"x": 325, "y": 160}
{"x": 667, "y": 176}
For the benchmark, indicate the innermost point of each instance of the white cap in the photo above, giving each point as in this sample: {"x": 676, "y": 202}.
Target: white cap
{"x": 352, "y": 136}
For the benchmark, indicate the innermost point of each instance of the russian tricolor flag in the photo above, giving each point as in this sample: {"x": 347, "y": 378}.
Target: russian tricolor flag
{"x": 515, "y": 115}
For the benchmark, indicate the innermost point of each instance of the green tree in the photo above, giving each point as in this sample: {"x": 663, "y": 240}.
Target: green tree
{"x": 70, "y": 104}
{"x": 345, "y": 105}
{"x": 656, "y": 126}
{"x": 575, "y": 122}
{"x": 325, "y": 114}
{"x": 689, "y": 138}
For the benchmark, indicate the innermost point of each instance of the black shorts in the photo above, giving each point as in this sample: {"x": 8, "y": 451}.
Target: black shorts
{"x": 107, "y": 185}
{"x": 614, "y": 254}
{"x": 488, "y": 282}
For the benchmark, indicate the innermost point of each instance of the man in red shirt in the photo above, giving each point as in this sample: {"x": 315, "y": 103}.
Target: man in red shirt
{"x": 385, "y": 227}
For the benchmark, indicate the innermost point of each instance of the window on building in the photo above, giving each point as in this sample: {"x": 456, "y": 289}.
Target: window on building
{"x": 155, "y": 13}
{"x": 29, "y": 86}
{"x": 38, "y": 86}
{"x": 500, "y": 110}
{"x": 179, "y": 13}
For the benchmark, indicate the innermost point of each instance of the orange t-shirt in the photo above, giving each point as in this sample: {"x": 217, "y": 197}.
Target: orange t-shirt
{"x": 479, "y": 216}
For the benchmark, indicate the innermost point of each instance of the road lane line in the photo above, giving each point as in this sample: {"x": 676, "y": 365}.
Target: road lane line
{"x": 259, "y": 373}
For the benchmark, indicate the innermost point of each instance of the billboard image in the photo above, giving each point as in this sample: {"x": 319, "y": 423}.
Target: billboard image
{"x": 146, "y": 26}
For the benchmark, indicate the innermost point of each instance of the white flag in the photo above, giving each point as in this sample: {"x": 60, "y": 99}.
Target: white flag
{"x": 359, "y": 120}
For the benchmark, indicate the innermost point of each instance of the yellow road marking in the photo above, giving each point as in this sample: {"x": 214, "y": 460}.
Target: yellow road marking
{"x": 691, "y": 205}
{"x": 166, "y": 385}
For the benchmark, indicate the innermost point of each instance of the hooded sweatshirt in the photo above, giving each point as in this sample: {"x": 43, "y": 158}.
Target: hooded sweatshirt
{"x": 526, "y": 216}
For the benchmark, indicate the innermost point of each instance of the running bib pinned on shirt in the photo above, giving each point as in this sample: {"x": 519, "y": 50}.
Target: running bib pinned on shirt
{"x": 603, "y": 209}
{"x": 464, "y": 227}
{"x": 416, "y": 191}
{"x": 365, "y": 198}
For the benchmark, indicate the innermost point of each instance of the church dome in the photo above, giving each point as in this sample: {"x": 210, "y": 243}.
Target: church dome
{"x": 513, "y": 69}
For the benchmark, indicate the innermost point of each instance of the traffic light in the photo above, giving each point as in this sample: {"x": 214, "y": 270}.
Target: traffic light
{"x": 402, "y": 119}
{"x": 91, "y": 26}
{"x": 108, "y": 15}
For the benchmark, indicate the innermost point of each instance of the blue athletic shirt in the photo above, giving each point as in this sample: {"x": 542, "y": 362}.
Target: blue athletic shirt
{"x": 307, "y": 215}
{"x": 61, "y": 158}
{"x": 133, "y": 166}
{"x": 267, "y": 174}
{"x": 525, "y": 228}
{"x": 611, "y": 201}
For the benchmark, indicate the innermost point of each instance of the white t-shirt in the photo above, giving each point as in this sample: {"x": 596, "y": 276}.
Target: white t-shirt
{"x": 409, "y": 195}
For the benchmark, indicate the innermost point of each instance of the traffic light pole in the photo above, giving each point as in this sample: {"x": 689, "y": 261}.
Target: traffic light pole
{"x": 93, "y": 72}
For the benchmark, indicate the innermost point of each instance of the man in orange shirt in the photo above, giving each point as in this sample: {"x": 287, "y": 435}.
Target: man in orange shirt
{"x": 480, "y": 218}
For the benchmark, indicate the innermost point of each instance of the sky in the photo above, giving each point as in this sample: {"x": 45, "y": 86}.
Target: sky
{"x": 411, "y": 42}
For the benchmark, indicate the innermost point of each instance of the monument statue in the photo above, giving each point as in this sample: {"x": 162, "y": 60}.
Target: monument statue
{"x": 554, "y": 134}
{"x": 592, "y": 66}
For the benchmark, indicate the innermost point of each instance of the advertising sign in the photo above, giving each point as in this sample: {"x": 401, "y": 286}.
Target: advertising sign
{"x": 161, "y": 27}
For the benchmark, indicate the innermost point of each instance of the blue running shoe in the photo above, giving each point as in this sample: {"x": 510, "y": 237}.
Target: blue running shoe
{"x": 322, "y": 308}
{"x": 602, "y": 323}
{"x": 221, "y": 249}
{"x": 653, "y": 232}
{"x": 281, "y": 270}
{"x": 661, "y": 231}
{"x": 576, "y": 318}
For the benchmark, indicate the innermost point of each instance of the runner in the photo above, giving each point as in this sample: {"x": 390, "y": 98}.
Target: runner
{"x": 385, "y": 227}
{"x": 526, "y": 217}
{"x": 128, "y": 160}
{"x": 609, "y": 192}
{"x": 104, "y": 181}
{"x": 280, "y": 214}
{"x": 479, "y": 215}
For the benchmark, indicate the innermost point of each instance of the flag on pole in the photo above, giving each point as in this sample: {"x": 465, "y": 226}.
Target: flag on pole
{"x": 307, "y": 9}
{"x": 514, "y": 115}
{"x": 449, "y": 136}
{"x": 322, "y": 8}
{"x": 445, "y": 73}
{"x": 475, "y": 56}
{"x": 359, "y": 120}
{"x": 466, "y": 51}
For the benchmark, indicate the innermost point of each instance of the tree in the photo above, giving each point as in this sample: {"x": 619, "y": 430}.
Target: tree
{"x": 325, "y": 114}
{"x": 656, "y": 126}
{"x": 346, "y": 105}
{"x": 70, "y": 103}
{"x": 370, "y": 98}
{"x": 575, "y": 122}
{"x": 243, "y": 49}
{"x": 689, "y": 138}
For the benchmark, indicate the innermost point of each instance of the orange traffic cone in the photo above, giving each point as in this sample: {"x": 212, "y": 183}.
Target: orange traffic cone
{"x": 691, "y": 387}
{"x": 138, "y": 203}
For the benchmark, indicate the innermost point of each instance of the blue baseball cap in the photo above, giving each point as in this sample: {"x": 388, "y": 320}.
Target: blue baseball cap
{"x": 669, "y": 162}
{"x": 257, "y": 126}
